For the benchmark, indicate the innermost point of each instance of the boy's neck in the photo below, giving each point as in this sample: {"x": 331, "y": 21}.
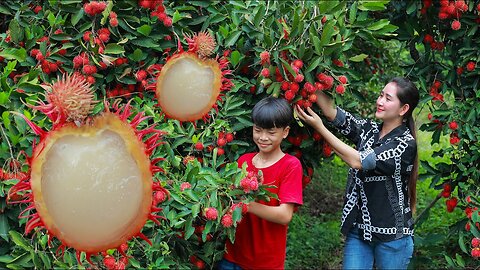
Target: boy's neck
{"x": 263, "y": 159}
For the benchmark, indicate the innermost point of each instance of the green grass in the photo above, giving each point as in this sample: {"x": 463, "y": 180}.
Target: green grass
{"x": 314, "y": 238}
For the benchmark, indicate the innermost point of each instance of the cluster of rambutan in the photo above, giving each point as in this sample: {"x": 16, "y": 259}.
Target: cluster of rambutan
{"x": 452, "y": 201}
{"x": 434, "y": 91}
{"x": 307, "y": 178}
{"x": 94, "y": 7}
{"x": 47, "y": 66}
{"x": 157, "y": 10}
{"x": 470, "y": 209}
{"x": 470, "y": 66}
{"x": 475, "y": 247}
{"x": 434, "y": 45}
{"x": 222, "y": 140}
{"x": 294, "y": 87}
{"x": 82, "y": 62}
{"x": 448, "y": 10}
{"x": 100, "y": 38}
{"x": 250, "y": 182}
{"x": 111, "y": 263}
{"x": 113, "y": 19}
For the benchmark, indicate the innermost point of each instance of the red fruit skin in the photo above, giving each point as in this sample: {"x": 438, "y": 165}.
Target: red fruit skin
{"x": 340, "y": 89}
{"x": 221, "y": 142}
{"x": 475, "y": 242}
{"x": 227, "y": 221}
{"x": 211, "y": 213}
{"x": 229, "y": 137}
{"x": 265, "y": 72}
{"x": 299, "y": 78}
{"x": 451, "y": 204}
{"x": 471, "y": 66}
{"x": 199, "y": 146}
{"x": 456, "y": 25}
{"x": 343, "y": 79}
{"x": 109, "y": 262}
{"x": 453, "y": 125}
{"x": 476, "y": 253}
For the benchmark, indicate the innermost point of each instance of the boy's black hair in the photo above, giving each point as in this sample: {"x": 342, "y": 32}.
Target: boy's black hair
{"x": 272, "y": 112}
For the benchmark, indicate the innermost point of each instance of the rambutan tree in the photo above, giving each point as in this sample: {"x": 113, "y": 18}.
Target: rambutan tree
{"x": 253, "y": 49}
{"x": 443, "y": 37}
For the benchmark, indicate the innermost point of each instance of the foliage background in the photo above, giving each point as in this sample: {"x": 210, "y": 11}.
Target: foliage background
{"x": 366, "y": 41}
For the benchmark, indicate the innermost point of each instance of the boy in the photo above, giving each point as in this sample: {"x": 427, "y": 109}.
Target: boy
{"x": 261, "y": 236}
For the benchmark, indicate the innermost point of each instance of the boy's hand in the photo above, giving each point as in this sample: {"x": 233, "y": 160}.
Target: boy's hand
{"x": 260, "y": 177}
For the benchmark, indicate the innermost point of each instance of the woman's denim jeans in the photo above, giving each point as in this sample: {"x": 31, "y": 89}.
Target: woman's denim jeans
{"x": 359, "y": 254}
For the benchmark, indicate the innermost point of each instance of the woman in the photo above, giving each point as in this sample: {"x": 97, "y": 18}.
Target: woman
{"x": 380, "y": 195}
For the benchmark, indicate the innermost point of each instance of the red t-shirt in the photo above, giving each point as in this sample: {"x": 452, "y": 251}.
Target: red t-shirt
{"x": 260, "y": 243}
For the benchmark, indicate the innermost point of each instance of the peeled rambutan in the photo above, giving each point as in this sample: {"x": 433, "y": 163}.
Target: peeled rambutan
{"x": 190, "y": 84}
{"x": 90, "y": 183}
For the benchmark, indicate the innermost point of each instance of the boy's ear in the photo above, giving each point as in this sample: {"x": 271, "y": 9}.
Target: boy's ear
{"x": 286, "y": 131}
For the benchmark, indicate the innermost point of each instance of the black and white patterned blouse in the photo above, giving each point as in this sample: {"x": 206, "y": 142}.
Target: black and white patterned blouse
{"x": 376, "y": 197}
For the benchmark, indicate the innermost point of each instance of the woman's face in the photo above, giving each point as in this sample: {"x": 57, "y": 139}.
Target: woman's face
{"x": 389, "y": 106}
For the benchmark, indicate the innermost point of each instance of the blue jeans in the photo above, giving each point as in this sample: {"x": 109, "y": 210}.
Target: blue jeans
{"x": 359, "y": 254}
{"x": 227, "y": 265}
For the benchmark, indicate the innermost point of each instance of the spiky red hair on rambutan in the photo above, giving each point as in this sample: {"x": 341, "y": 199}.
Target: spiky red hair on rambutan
{"x": 69, "y": 99}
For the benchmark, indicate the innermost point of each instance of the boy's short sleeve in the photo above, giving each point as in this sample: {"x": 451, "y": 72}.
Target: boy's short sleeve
{"x": 290, "y": 189}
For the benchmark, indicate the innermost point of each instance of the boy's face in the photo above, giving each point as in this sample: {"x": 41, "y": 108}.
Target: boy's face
{"x": 269, "y": 139}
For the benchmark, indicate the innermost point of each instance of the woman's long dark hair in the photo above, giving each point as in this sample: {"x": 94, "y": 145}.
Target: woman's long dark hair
{"x": 407, "y": 93}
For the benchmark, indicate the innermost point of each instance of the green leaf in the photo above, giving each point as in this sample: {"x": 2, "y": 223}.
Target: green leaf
{"x": 232, "y": 39}
{"x": 176, "y": 17}
{"x": 378, "y": 25}
{"x": 317, "y": 45}
{"x": 358, "y": 57}
{"x": 461, "y": 242}
{"x": 13, "y": 53}
{"x": 189, "y": 229}
{"x": 18, "y": 239}
{"x": 16, "y": 31}
{"x": 259, "y": 14}
{"x": 46, "y": 260}
{"x": 145, "y": 30}
{"x": 6, "y": 258}
{"x": 326, "y": 6}
{"x": 134, "y": 263}
{"x": 195, "y": 209}
{"x": 352, "y": 15}
{"x": 113, "y": 48}
{"x": 4, "y": 97}
{"x": 235, "y": 57}
{"x": 327, "y": 33}
{"x": 449, "y": 261}
{"x": 460, "y": 260}
{"x": 376, "y": 5}
{"x": 412, "y": 7}
{"x": 138, "y": 55}
{"x": 4, "y": 227}
{"x": 77, "y": 16}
